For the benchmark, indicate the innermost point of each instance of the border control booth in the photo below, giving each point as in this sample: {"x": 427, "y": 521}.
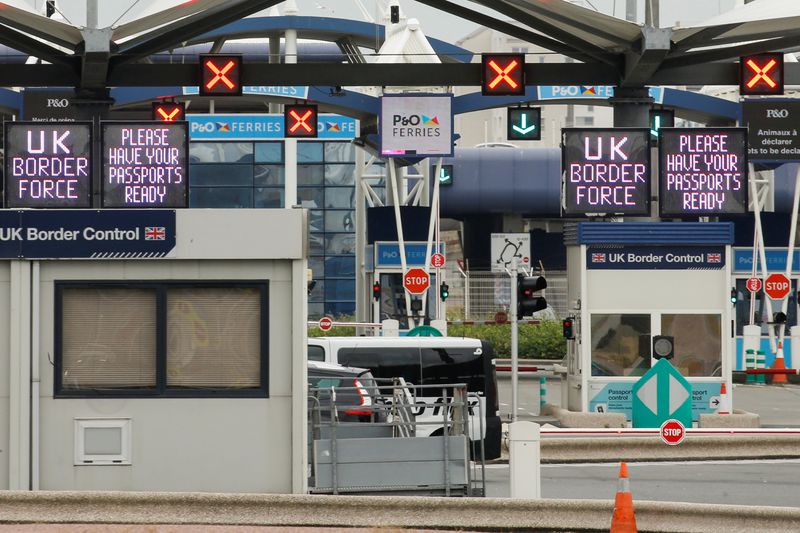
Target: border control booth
{"x": 632, "y": 282}
{"x": 153, "y": 350}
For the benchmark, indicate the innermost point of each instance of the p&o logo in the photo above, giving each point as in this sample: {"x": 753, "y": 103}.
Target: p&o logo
{"x": 415, "y": 120}
{"x": 58, "y": 102}
{"x": 777, "y": 113}
{"x": 211, "y": 127}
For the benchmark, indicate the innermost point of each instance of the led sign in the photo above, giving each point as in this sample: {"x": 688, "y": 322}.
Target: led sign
{"x": 503, "y": 74}
{"x": 48, "y": 164}
{"x": 220, "y": 75}
{"x": 703, "y": 171}
{"x": 300, "y": 120}
{"x": 523, "y": 123}
{"x": 761, "y": 74}
{"x": 606, "y": 171}
{"x": 169, "y": 111}
{"x": 145, "y": 164}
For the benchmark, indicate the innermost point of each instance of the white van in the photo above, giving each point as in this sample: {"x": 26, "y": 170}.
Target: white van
{"x": 424, "y": 361}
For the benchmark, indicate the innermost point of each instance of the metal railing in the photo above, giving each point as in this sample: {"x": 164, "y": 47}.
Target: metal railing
{"x": 480, "y": 295}
{"x": 397, "y": 413}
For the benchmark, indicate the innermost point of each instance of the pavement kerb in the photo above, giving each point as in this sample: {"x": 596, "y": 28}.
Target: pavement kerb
{"x": 652, "y": 448}
{"x": 381, "y": 511}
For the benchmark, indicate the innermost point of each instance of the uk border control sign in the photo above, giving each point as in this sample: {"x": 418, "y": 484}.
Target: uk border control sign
{"x": 606, "y": 171}
{"x": 419, "y": 125}
{"x": 772, "y": 129}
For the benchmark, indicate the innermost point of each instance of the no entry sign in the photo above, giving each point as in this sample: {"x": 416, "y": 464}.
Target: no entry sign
{"x": 777, "y": 286}
{"x": 672, "y": 432}
{"x": 416, "y": 281}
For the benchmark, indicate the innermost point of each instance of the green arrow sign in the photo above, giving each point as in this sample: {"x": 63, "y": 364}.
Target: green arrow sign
{"x": 523, "y": 123}
{"x": 661, "y": 394}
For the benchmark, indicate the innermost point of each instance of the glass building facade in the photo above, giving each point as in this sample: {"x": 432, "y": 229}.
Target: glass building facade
{"x": 250, "y": 174}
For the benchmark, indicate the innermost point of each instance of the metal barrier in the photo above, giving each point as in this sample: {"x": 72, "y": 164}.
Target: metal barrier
{"x": 479, "y": 295}
{"x": 379, "y": 437}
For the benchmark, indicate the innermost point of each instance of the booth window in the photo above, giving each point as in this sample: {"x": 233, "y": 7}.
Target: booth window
{"x": 161, "y": 339}
{"x": 620, "y": 344}
{"x": 698, "y": 343}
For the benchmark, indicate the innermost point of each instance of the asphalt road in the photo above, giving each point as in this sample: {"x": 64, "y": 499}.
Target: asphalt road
{"x": 726, "y": 482}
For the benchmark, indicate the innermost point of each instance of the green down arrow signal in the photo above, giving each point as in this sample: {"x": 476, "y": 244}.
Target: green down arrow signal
{"x": 523, "y": 127}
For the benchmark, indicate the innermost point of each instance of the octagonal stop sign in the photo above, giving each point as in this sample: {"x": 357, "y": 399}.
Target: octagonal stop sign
{"x": 416, "y": 280}
{"x": 777, "y": 286}
{"x": 672, "y": 432}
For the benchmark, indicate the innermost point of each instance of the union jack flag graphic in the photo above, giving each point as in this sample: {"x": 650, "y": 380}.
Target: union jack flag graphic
{"x": 598, "y": 258}
{"x": 714, "y": 258}
{"x": 155, "y": 233}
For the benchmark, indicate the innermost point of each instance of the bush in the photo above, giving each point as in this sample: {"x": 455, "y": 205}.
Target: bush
{"x": 544, "y": 340}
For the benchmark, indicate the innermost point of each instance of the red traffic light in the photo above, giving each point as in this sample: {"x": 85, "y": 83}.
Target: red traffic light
{"x": 376, "y": 290}
{"x": 503, "y": 74}
{"x": 220, "y": 75}
{"x": 169, "y": 111}
{"x": 761, "y": 74}
{"x": 300, "y": 120}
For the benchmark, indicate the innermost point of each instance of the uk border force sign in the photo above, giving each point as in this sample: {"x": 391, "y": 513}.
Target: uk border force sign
{"x": 419, "y": 125}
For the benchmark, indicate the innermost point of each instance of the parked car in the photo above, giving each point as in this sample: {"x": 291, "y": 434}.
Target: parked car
{"x": 357, "y": 395}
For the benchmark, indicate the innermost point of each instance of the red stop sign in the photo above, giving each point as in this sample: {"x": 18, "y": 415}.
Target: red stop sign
{"x": 672, "y": 432}
{"x": 777, "y": 286}
{"x": 416, "y": 280}
{"x": 437, "y": 260}
{"x": 753, "y": 284}
{"x": 325, "y": 323}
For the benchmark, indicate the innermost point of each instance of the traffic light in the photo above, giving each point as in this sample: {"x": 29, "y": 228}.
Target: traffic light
{"x": 220, "y": 75}
{"x": 444, "y": 291}
{"x": 761, "y": 74}
{"x": 663, "y": 347}
{"x": 168, "y": 111}
{"x": 527, "y": 300}
{"x": 502, "y": 74}
{"x": 300, "y": 120}
{"x": 376, "y": 290}
{"x": 660, "y": 118}
{"x": 445, "y": 174}
{"x": 734, "y": 296}
{"x": 567, "y": 327}
{"x": 524, "y": 123}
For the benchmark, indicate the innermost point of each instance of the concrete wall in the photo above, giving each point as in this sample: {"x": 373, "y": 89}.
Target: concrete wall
{"x": 205, "y": 444}
{"x": 5, "y": 382}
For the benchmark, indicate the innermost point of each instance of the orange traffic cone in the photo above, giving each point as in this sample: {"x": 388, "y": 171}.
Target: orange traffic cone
{"x": 779, "y": 364}
{"x": 724, "y": 402}
{"x": 624, "y": 519}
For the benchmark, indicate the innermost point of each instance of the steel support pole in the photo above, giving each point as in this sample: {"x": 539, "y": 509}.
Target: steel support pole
{"x": 514, "y": 343}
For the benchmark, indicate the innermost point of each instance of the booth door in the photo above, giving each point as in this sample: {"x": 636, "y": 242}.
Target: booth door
{"x": 622, "y": 342}
{"x": 392, "y": 302}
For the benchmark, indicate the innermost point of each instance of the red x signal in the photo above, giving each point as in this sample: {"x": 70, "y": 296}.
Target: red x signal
{"x": 503, "y": 74}
{"x": 168, "y": 111}
{"x": 220, "y": 75}
{"x": 761, "y": 74}
{"x": 300, "y": 120}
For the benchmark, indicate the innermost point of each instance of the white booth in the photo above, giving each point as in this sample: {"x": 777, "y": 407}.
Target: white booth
{"x": 631, "y": 282}
{"x": 153, "y": 350}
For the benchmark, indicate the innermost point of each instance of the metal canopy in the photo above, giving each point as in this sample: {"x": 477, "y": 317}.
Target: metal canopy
{"x": 612, "y": 51}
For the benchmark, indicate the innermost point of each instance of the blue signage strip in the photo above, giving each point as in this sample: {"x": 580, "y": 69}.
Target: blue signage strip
{"x": 293, "y": 91}
{"x": 588, "y": 92}
{"x": 617, "y": 397}
{"x": 776, "y": 260}
{"x": 262, "y": 127}
{"x": 124, "y": 234}
{"x": 656, "y": 258}
{"x": 387, "y": 254}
